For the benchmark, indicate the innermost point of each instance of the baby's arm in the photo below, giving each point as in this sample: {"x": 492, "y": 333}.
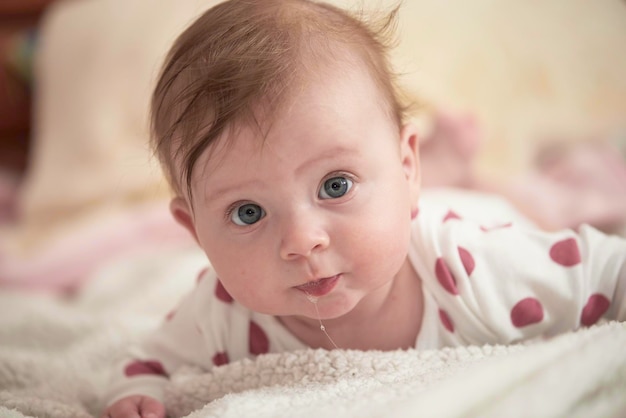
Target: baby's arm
{"x": 504, "y": 282}
{"x": 135, "y": 406}
{"x": 138, "y": 382}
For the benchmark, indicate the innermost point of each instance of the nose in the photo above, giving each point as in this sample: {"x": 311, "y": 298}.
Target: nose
{"x": 302, "y": 234}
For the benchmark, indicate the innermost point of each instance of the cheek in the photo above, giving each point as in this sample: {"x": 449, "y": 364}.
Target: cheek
{"x": 243, "y": 271}
{"x": 386, "y": 230}
{"x": 227, "y": 256}
{"x": 387, "y": 240}
{"x": 233, "y": 263}
{"x": 382, "y": 237}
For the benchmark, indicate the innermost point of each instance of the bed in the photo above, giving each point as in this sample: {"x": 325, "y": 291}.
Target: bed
{"x": 93, "y": 265}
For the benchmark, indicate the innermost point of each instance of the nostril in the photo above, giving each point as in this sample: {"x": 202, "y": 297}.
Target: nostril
{"x": 304, "y": 246}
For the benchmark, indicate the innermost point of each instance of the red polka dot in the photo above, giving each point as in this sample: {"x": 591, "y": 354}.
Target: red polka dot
{"x": 139, "y": 367}
{"x": 170, "y": 315}
{"x": 258, "y": 341}
{"x": 596, "y": 306}
{"x": 221, "y": 293}
{"x": 565, "y": 253}
{"x": 527, "y": 312}
{"x": 451, "y": 215}
{"x": 221, "y": 358}
{"x": 467, "y": 260}
{"x": 201, "y": 274}
{"x": 445, "y": 320}
{"x": 445, "y": 278}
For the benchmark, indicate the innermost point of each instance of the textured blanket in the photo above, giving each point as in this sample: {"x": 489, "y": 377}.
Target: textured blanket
{"x": 577, "y": 375}
{"x": 54, "y": 356}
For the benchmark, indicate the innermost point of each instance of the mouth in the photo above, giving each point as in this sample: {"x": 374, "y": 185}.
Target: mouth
{"x": 320, "y": 287}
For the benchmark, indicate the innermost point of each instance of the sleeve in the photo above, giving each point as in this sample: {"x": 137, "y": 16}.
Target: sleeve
{"x": 178, "y": 340}
{"x": 505, "y": 283}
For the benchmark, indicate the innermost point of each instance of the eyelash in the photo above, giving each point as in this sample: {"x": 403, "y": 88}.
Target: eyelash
{"x": 232, "y": 208}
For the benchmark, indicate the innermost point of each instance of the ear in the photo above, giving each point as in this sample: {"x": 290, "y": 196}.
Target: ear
{"x": 409, "y": 154}
{"x": 181, "y": 212}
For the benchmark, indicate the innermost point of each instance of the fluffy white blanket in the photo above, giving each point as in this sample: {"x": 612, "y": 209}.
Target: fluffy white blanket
{"x": 54, "y": 355}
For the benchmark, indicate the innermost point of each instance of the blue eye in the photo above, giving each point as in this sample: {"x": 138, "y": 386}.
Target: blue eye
{"x": 247, "y": 214}
{"x": 335, "y": 187}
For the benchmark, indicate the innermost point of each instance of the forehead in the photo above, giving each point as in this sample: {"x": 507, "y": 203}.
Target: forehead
{"x": 330, "y": 101}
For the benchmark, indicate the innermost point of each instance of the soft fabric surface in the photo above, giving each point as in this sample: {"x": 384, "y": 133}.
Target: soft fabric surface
{"x": 69, "y": 259}
{"x": 55, "y": 353}
{"x": 576, "y": 375}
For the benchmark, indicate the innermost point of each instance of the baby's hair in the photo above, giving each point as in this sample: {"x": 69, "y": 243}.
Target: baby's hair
{"x": 237, "y": 64}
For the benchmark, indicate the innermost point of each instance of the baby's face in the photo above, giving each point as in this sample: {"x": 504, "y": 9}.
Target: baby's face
{"x": 322, "y": 207}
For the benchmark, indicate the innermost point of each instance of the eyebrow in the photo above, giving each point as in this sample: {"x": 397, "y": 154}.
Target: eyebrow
{"x": 337, "y": 152}
{"x": 210, "y": 196}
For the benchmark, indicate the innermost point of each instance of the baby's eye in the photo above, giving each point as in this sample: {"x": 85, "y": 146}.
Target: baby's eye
{"x": 335, "y": 187}
{"x": 247, "y": 214}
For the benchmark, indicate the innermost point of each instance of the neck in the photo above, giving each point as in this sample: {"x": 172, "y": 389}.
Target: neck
{"x": 387, "y": 319}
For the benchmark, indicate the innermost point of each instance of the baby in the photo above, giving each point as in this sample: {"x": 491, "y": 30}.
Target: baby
{"x": 295, "y": 168}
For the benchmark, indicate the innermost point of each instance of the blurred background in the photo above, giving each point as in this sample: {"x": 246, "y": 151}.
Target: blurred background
{"x": 530, "y": 70}
{"x": 527, "y": 70}
{"x": 76, "y": 75}
{"x": 17, "y": 18}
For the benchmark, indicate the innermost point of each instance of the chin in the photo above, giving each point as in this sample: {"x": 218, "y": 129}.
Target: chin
{"x": 334, "y": 308}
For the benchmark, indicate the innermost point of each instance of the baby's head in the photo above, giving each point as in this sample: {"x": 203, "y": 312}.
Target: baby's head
{"x": 281, "y": 130}
{"x": 242, "y": 61}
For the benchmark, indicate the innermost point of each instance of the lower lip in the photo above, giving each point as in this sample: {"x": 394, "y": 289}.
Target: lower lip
{"x": 320, "y": 287}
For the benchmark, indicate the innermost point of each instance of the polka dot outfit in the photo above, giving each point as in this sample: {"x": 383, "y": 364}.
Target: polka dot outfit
{"x": 503, "y": 283}
{"x": 482, "y": 284}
